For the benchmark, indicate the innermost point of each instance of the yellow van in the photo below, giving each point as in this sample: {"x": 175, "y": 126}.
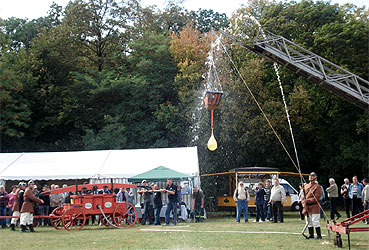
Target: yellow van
{"x": 251, "y": 176}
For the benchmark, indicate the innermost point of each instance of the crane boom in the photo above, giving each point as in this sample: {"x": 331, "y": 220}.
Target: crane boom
{"x": 326, "y": 74}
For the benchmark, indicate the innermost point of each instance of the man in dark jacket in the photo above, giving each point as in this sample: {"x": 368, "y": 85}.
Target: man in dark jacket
{"x": 267, "y": 206}
{"x": 27, "y": 208}
{"x": 171, "y": 189}
{"x": 44, "y": 208}
{"x": 158, "y": 204}
{"x": 198, "y": 202}
{"x": 147, "y": 193}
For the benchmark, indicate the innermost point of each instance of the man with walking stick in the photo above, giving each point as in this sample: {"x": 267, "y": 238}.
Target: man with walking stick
{"x": 310, "y": 202}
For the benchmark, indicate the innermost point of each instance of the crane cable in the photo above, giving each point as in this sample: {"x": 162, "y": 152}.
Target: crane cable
{"x": 259, "y": 106}
{"x": 271, "y": 126}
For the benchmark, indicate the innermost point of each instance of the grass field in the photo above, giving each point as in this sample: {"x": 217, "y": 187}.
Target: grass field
{"x": 214, "y": 233}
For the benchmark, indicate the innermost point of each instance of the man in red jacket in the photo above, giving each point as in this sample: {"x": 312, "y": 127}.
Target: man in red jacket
{"x": 310, "y": 202}
{"x": 26, "y": 218}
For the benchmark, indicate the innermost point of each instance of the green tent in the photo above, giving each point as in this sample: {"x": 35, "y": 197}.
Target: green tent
{"x": 159, "y": 174}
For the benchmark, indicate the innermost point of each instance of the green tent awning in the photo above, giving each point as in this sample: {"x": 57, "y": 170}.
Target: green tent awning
{"x": 159, "y": 174}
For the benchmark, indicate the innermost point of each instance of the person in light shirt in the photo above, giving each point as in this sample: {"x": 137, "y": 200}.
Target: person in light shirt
{"x": 277, "y": 198}
{"x": 365, "y": 195}
{"x": 332, "y": 192}
{"x": 242, "y": 197}
{"x": 355, "y": 193}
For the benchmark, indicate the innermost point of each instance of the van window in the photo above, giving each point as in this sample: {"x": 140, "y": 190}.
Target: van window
{"x": 288, "y": 189}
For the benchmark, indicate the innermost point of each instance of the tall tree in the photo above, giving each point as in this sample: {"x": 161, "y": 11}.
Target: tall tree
{"x": 206, "y": 19}
{"x": 98, "y": 27}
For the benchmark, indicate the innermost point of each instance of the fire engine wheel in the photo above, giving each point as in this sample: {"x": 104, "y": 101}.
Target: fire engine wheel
{"x": 124, "y": 215}
{"x": 73, "y": 219}
{"x": 57, "y": 222}
{"x": 108, "y": 222}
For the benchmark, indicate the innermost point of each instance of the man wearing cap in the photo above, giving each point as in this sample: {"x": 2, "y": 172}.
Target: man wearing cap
{"x": 147, "y": 193}
{"x": 27, "y": 208}
{"x": 18, "y": 202}
{"x": 310, "y": 203}
{"x": 106, "y": 190}
{"x": 366, "y": 196}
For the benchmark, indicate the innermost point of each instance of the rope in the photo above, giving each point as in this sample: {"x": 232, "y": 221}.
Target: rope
{"x": 106, "y": 219}
{"x": 288, "y": 116}
{"x": 271, "y": 126}
{"x": 260, "y": 108}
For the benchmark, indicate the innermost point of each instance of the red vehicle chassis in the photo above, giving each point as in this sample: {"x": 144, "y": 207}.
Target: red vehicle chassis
{"x": 344, "y": 227}
{"x": 72, "y": 216}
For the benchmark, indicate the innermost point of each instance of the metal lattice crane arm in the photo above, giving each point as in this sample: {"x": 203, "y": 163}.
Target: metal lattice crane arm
{"x": 311, "y": 66}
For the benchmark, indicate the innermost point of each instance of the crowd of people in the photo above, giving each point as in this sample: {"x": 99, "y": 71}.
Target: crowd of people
{"x": 25, "y": 200}
{"x": 20, "y": 202}
{"x": 269, "y": 201}
{"x": 153, "y": 202}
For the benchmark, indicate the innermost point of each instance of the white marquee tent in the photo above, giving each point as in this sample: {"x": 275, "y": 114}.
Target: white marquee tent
{"x": 96, "y": 165}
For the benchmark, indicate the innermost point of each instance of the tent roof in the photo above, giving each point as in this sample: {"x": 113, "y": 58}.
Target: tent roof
{"x": 96, "y": 164}
{"x": 159, "y": 174}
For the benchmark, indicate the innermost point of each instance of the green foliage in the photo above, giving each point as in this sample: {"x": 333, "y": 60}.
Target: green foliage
{"x": 205, "y": 19}
{"x": 14, "y": 110}
{"x": 95, "y": 28}
{"x": 111, "y": 136}
{"x": 115, "y": 75}
{"x": 324, "y": 126}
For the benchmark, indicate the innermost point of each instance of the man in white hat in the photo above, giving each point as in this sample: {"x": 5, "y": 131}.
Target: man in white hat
{"x": 310, "y": 203}
{"x": 26, "y": 218}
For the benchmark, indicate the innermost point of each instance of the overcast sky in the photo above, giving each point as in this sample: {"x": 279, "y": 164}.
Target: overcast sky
{"x": 36, "y": 8}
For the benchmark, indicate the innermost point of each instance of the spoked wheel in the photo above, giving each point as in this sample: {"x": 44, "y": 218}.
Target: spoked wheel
{"x": 73, "y": 219}
{"x": 124, "y": 215}
{"x": 108, "y": 221}
{"x": 57, "y": 222}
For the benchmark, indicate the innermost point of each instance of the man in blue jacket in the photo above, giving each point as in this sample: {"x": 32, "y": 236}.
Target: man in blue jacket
{"x": 355, "y": 194}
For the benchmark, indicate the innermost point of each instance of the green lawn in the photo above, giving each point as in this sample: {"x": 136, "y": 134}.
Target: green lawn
{"x": 214, "y": 233}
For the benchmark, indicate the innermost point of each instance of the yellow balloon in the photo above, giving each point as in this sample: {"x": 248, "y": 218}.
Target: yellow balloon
{"x": 212, "y": 143}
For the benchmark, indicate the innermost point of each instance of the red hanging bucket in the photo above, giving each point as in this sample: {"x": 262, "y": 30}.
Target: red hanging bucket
{"x": 212, "y": 99}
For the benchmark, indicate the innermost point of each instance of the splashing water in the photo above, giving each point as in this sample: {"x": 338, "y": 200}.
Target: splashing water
{"x": 275, "y": 65}
{"x": 212, "y": 80}
{"x": 212, "y": 83}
